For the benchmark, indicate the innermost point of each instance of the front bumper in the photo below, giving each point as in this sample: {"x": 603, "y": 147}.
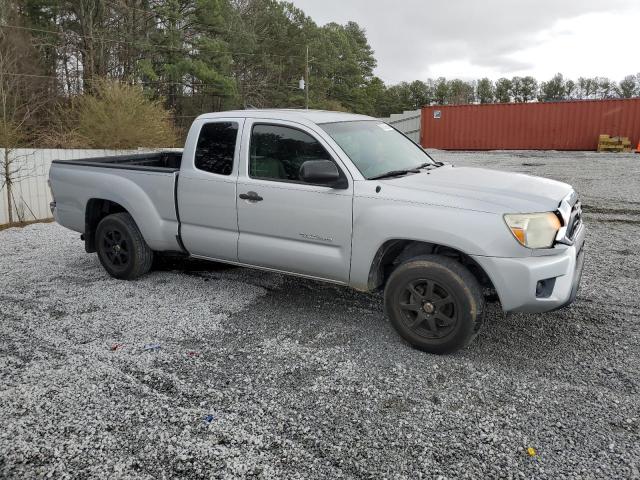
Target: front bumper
{"x": 516, "y": 280}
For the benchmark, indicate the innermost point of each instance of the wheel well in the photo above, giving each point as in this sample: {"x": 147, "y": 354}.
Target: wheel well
{"x": 97, "y": 209}
{"x": 394, "y": 252}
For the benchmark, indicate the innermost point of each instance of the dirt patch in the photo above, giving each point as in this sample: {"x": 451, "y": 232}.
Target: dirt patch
{"x": 24, "y": 224}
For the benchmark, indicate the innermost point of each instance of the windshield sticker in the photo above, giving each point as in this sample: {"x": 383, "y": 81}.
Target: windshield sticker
{"x": 385, "y": 127}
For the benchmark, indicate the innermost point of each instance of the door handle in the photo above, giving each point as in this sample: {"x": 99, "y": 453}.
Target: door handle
{"x": 251, "y": 196}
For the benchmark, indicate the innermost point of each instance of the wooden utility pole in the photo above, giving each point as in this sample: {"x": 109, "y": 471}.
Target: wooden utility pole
{"x": 306, "y": 79}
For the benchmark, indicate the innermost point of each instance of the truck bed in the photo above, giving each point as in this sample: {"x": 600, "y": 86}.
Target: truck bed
{"x": 142, "y": 184}
{"x": 167, "y": 161}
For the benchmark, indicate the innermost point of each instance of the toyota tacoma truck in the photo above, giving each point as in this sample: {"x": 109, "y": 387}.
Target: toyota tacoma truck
{"x": 338, "y": 198}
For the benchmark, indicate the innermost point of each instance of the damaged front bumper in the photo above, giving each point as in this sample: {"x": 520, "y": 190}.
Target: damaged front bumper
{"x": 538, "y": 283}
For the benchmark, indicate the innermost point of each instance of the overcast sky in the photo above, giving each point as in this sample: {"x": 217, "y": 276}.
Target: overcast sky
{"x": 468, "y": 39}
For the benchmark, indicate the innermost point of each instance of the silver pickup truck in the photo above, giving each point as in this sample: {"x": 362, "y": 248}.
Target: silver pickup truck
{"x": 339, "y": 198}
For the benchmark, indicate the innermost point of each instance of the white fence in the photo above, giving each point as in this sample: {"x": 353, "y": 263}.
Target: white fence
{"x": 30, "y": 192}
{"x": 408, "y": 122}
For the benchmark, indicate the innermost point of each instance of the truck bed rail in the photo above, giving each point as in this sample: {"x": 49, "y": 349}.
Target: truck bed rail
{"x": 166, "y": 162}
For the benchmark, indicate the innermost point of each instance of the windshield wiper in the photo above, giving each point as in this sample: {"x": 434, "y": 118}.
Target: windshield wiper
{"x": 431, "y": 164}
{"x": 394, "y": 173}
{"x": 398, "y": 173}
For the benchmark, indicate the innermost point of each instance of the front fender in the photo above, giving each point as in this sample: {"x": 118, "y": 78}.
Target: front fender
{"x": 471, "y": 232}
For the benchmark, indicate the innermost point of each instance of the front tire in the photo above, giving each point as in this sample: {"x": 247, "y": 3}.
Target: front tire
{"x": 121, "y": 248}
{"x": 434, "y": 303}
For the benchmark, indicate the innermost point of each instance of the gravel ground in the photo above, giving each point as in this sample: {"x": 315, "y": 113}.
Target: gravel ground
{"x": 264, "y": 376}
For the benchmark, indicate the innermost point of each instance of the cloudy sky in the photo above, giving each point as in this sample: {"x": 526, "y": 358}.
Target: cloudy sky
{"x": 419, "y": 39}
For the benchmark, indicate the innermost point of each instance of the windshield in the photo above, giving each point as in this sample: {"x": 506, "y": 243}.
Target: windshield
{"x": 376, "y": 148}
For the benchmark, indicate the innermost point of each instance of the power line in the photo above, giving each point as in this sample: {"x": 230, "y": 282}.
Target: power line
{"x": 155, "y": 46}
{"x": 152, "y": 82}
{"x": 186, "y": 83}
{"x": 26, "y": 75}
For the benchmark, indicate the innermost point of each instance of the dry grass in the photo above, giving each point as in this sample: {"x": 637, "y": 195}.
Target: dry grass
{"x": 114, "y": 116}
{"x": 24, "y": 224}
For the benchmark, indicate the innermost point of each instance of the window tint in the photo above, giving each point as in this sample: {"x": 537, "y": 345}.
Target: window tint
{"x": 278, "y": 152}
{"x": 216, "y": 147}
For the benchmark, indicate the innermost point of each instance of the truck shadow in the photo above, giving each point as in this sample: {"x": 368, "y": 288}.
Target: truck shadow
{"x": 189, "y": 266}
{"x": 298, "y": 308}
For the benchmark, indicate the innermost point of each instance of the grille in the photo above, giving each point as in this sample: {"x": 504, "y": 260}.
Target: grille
{"x": 574, "y": 220}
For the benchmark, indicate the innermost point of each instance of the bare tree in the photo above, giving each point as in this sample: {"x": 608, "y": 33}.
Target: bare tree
{"x": 19, "y": 101}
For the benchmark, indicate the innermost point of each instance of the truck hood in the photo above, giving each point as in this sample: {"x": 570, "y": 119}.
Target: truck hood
{"x": 479, "y": 189}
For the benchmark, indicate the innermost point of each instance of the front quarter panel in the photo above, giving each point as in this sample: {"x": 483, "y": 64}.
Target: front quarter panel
{"x": 378, "y": 219}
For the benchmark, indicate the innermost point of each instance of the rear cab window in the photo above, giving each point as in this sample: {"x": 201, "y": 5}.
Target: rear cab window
{"x": 215, "y": 150}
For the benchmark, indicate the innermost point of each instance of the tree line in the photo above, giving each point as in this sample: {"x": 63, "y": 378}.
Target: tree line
{"x": 505, "y": 90}
{"x": 193, "y": 56}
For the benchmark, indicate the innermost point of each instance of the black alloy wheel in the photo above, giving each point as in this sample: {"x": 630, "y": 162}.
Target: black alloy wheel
{"x": 115, "y": 248}
{"x": 121, "y": 248}
{"x": 434, "y": 303}
{"x": 429, "y": 309}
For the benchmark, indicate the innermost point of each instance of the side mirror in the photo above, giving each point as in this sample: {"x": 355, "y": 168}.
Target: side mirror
{"x": 322, "y": 172}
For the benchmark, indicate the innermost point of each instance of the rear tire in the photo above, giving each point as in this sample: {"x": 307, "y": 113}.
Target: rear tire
{"x": 121, "y": 248}
{"x": 434, "y": 303}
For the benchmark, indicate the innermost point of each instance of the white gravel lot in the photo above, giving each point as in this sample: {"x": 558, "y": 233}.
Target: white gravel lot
{"x": 264, "y": 376}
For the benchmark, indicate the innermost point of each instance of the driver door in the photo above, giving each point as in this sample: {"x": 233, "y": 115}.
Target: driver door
{"x": 284, "y": 223}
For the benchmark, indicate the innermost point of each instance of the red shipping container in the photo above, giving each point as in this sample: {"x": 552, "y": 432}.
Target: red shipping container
{"x": 571, "y": 125}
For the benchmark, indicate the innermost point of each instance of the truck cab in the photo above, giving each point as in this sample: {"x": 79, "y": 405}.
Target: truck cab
{"x": 241, "y": 188}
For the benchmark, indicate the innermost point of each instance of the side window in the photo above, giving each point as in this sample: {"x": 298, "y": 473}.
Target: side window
{"x": 277, "y": 152}
{"x": 216, "y": 147}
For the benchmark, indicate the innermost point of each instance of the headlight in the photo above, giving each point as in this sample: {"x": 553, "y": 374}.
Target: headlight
{"x": 534, "y": 230}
